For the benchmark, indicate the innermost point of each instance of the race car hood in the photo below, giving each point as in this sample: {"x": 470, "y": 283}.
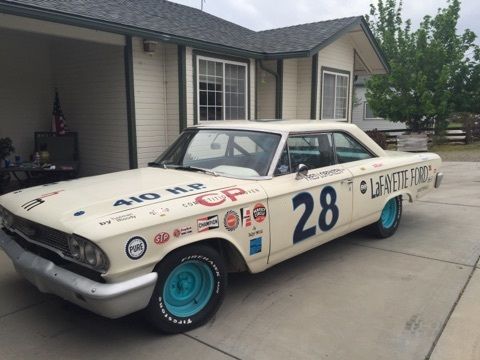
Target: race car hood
{"x": 67, "y": 204}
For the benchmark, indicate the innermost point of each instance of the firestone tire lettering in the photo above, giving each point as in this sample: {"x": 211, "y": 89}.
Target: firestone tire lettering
{"x": 157, "y": 311}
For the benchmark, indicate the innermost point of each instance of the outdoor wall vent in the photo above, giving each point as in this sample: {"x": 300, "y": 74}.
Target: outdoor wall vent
{"x": 149, "y": 46}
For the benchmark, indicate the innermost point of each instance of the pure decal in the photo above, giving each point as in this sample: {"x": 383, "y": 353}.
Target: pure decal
{"x": 136, "y": 247}
{"x": 363, "y": 187}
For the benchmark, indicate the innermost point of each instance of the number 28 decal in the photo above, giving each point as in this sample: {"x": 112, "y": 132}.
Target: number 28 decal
{"x": 328, "y": 198}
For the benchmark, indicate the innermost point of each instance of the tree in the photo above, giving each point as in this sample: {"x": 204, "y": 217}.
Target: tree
{"x": 430, "y": 68}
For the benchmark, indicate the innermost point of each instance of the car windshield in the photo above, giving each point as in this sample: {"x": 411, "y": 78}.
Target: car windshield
{"x": 235, "y": 153}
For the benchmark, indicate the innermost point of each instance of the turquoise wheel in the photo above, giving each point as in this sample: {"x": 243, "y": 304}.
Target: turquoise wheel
{"x": 389, "y": 213}
{"x": 389, "y": 218}
{"x": 188, "y": 288}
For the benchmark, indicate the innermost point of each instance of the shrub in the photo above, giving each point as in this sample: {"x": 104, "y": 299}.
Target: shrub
{"x": 379, "y": 137}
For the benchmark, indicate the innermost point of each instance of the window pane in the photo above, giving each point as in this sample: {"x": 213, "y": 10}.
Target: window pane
{"x": 211, "y": 113}
{"x": 211, "y": 68}
{"x": 314, "y": 150}
{"x": 341, "y": 97}
{"x": 218, "y": 113}
{"x": 202, "y": 67}
{"x": 369, "y": 114}
{"x": 203, "y": 98}
{"x": 203, "y": 113}
{"x": 219, "y": 70}
{"x": 348, "y": 149}
{"x": 328, "y": 102}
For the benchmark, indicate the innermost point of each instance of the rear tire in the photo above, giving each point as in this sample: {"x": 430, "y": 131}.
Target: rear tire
{"x": 389, "y": 220}
{"x": 190, "y": 288}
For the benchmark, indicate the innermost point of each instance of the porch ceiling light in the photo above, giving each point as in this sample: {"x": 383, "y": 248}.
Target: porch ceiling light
{"x": 149, "y": 46}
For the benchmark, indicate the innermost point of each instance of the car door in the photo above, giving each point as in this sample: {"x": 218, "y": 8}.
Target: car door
{"x": 307, "y": 210}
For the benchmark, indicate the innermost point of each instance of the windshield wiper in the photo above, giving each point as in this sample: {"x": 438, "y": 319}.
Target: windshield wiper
{"x": 190, "y": 168}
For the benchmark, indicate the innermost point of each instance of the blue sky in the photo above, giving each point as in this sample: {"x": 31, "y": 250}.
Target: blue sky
{"x": 267, "y": 14}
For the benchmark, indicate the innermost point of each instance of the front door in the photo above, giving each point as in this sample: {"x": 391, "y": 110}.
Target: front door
{"x": 306, "y": 211}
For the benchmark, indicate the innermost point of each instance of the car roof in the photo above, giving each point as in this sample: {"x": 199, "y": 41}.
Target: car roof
{"x": 280, "y": 125}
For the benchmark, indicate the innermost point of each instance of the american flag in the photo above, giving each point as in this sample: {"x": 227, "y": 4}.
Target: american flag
{"x": 58, "y": 121}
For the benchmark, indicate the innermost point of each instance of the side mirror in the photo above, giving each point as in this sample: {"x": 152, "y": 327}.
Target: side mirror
{"x": 302, "y": 171}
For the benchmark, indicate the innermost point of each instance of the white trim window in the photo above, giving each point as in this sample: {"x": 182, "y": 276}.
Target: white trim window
{"x": 368, "y": 113}
{"x": 221, "y": 89}
{"x": 334, "y": 95}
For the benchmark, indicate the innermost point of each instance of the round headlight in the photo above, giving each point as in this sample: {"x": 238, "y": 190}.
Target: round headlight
{"x": 75, "y": 248}
{"x": 90, "y": 254}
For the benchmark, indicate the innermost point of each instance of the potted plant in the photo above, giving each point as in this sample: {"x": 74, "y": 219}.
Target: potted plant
{"x": 6, "y": 148}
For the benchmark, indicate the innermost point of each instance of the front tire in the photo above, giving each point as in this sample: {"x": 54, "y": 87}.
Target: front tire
{"x": 389, "y": 219}
{"x": 190, "y": 288}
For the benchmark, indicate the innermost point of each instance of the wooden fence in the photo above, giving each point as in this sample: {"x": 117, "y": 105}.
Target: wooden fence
{"x": 454, "y": 135}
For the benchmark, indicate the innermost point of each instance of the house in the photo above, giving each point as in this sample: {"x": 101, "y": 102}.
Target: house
{"x": 132, "y": 74}
{"x": 362, "y": 114}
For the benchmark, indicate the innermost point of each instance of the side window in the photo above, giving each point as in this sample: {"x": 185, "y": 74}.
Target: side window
{"x": 348, "y": 149}
{"x": 313, "y": 150}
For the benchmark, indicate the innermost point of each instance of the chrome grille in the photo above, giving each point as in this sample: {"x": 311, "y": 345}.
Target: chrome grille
{"x": 42, "y": 235}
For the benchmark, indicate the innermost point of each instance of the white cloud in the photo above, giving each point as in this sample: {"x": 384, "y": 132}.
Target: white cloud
{"x": 266, "y": 14}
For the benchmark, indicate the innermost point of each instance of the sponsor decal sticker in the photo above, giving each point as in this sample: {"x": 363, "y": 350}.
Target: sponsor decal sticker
{"x": 207, "y": 223}
{"x": 398, "y": 180}
{"x": 29, "y": 205}
{"x": 185, "y": 230}
{"x": 363, "y": 187}
{"x": 161, "y": 238}
{"x": 255, "y": 232}
{"x": 159, "y": 212}
{"x": 217, "y": 198}
{"x": 118, "y": 218}
{"x": 377, "y": 165}
{"x": 79, "y": 213}
{"x": 246, "y": 217}
{"x": 136, "y": 247}
{"x": 231, "y": 220}
{"x": 259, "y": 212}
{"x": 255, "y": 246}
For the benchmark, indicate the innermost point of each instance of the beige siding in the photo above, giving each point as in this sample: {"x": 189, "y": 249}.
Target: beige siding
{"x": 156, "y": 99}
{"x": 338, "y": 55}
{"x": 253, "y": 75}
{"x": 26, "y": 91}
{"x": 304, "y": 87}
{"x": 289, "y": 89}
{"x": 266, "y": 91}
{"x": 91, "y": 82}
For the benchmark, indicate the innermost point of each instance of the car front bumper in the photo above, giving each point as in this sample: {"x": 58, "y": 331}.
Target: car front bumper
{"x": 110, "y": 300}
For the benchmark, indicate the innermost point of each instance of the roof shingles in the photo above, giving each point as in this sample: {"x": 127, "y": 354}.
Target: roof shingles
{"x": 169, "y": 18}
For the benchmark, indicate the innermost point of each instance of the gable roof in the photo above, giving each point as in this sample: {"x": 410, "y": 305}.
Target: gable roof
{"x": 169, "y": 21}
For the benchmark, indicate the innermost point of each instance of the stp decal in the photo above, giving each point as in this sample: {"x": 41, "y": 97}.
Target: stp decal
{"x": 136, "y": 247}
{"x": 259, "y": 212}
{"x": 161, "y": 238}
{"x": 231, "y": 220}
{"x": 207, "y": 223}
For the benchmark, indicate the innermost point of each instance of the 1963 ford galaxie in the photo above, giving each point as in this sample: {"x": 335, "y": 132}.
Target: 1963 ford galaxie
{"x": 226, "y": 197}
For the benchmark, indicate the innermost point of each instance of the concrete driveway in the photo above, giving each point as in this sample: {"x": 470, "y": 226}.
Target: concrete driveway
{"x": 413, "y": 296}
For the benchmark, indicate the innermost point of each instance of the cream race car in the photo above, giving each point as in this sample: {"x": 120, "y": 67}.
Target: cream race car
{"x": 226, "y": 197}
